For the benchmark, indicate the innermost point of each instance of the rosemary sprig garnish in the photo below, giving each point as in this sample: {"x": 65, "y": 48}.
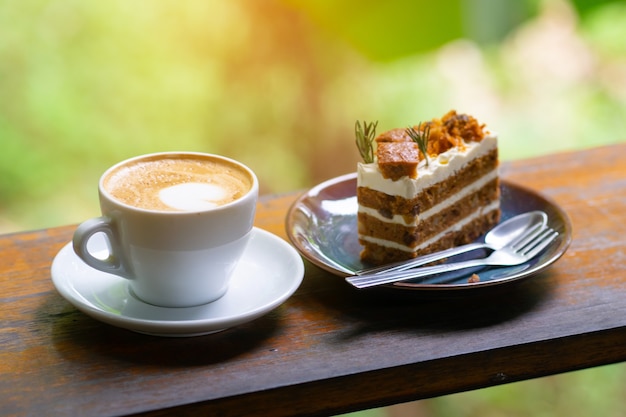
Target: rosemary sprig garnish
{"x": 421, "y": 138}
{"x": 365, "y": 139}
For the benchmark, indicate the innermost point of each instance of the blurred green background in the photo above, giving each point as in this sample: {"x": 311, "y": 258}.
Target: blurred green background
{"x": 278, "y": 84}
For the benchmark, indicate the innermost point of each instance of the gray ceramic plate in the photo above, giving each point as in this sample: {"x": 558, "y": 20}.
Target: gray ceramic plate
{"x": 322, "y": 225}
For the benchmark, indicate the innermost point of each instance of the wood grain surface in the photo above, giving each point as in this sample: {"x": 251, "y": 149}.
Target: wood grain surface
{"x": 330, "y": 348}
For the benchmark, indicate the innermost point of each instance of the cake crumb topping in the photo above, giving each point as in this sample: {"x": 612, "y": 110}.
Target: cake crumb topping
{"x": 398, "y": 155}
{"x": 473, "y": 279}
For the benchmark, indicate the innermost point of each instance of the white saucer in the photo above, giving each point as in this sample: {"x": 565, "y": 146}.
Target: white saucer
{"x": 270, "y": 272}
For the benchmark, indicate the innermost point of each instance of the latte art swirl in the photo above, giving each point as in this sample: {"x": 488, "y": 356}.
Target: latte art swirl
{"x": 193, "y": 196}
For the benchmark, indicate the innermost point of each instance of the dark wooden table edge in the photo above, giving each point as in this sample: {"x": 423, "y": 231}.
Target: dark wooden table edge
{"x": 372, "y": 389}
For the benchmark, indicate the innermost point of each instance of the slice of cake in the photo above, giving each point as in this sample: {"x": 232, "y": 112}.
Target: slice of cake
{"x": 426, "y": 188}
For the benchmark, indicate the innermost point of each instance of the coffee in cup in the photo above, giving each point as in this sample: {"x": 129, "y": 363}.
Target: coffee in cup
{"x": 177, "y": 183}
{"x": 176, "y": 223}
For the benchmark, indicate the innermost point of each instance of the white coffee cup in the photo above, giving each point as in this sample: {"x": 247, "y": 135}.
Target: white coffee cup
{"x": 176, "y": 224}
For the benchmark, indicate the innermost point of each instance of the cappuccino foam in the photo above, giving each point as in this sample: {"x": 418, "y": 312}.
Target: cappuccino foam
{"x": 185, "y": 183}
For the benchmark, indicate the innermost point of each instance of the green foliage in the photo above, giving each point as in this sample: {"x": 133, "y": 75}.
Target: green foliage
{"x": 388, "y": 30}
{"x": 384, "y": 30}
{"x": 586, "y": 6}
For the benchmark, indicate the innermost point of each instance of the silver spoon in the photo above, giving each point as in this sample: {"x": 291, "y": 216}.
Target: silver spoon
{"x": 503, "y": 234}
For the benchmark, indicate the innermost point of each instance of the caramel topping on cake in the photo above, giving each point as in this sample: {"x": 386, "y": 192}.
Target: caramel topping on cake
{"x": 398, "y": 155}
{"x": 398, "y": 159}
{"x": 463, "y": 125}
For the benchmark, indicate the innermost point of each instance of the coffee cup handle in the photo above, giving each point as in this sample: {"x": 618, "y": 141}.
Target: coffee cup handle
{"x": 114, "y": 263}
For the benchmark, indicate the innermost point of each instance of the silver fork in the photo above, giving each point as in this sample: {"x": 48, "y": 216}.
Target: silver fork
{"x": 513, "y": 254}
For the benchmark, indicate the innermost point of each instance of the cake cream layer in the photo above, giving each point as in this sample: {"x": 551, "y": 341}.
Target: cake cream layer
{"x": 437, "y": 170}
{"x": 455, "y": 198}
{"x": 455, "y": 227}
{"x": 462, "y": 233}
{"x": 389, "y": 205}
{"x": 445, "y": 217}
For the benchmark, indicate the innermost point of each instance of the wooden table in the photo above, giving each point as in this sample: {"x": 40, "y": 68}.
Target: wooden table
{"x": 330, "y": 348}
